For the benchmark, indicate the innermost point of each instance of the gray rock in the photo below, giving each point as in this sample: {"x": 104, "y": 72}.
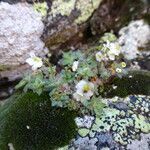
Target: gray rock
{"x": 143, "y": 144}
{"x": 133, "y": 37}
{"x": 106, "y": 139}
{"x": 86, "y": 121}
{"x": 84, "y": 144}
{"x": 20, "y": 31}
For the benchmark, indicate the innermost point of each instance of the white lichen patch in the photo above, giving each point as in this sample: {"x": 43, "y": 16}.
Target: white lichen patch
{"x": 133, "y": 37}
{"x": 141, "y": 144}
{"x": 65, "y": 7}
{"x": 86, "y": 121}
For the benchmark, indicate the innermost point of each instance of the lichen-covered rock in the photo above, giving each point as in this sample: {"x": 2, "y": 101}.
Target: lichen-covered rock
{"x": 142, "y": 144}
{"x": 84, "y": 144}
{"x": 134, "y": 37}
{"x": 69, "y": 22}
{"x": 66, "y": 19}
{"x": 17, "y": 1}
{"x": 106, "y": 139}
{"x": 86, "y": 121}
{"x": 20, "y": 31}
{"x": 117, "y": 126}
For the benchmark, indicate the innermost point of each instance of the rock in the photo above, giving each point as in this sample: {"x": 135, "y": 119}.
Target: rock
{"x": 84, "y": 144}
{"x": 113, "y": 14}
{"x": 20, "y": 31}
{"x": 106, "y": 139}
{"x": 134, "y": 37}
{"x": 120, "y": 106}
{"x": 69, "y": 23}
{"x": 142, "y": 144}
{"x": 144, "y": 62}
{"x": 17, "y": 1}
{"x": 7, "y": 88}
{"x": 66, "y": 21}
{"x": 86, "y": 121}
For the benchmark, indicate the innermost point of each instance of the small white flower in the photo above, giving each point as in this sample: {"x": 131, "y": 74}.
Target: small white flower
{"x": 11, "y": 147}
{"x": 99, "y": 56}
{"x": 114, "y": 87}
{"x": 118, "y": 70}
{"x": 130, "y": 76}
{"x": 84, "y": 90}
{"x": 34, "y": 61}
{"x": 114, "y": 49}
{"x": 75, "y": 66}
{"x": 28, "y": 127}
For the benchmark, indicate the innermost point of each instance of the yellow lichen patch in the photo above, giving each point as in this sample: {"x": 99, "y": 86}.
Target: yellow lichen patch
{"x": 62, "y": 7}
{"x": 86, "y": 8}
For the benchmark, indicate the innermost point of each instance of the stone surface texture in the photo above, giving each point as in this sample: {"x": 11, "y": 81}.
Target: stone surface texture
{"x": 142, "y": 144}
{"x": 67, "y": 20}
{"x": 133, "y": 37}
{"x": 86, "y": 121}
{"x": 20, "y": 31}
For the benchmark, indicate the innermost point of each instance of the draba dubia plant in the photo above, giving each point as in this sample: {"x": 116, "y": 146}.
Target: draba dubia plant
{"x": 82, "y": 76}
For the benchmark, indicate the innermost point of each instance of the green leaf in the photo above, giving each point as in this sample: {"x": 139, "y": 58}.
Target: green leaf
{"x": 70, "y": 57}
{"x": 97, "y": 105}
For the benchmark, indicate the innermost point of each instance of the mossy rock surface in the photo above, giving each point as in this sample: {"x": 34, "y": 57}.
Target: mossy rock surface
{"x": 30, "y": 123}
{"x": 134, "y": 83}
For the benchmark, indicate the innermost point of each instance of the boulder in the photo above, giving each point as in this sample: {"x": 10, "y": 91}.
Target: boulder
{"x": 20, "y": 31}
{"x": 71, "y": 23}
{"x": 67, "y": 21}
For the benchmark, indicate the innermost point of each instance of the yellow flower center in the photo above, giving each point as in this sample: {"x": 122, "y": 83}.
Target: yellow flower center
{"x": 36, "y": 59}
{"x": 123, "y": 64}
{"x": 86, "y": 88}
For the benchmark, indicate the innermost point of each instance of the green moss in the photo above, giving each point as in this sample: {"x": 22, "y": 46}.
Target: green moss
{"x": 133, "y": 83}
{"x": 30, "y": 123}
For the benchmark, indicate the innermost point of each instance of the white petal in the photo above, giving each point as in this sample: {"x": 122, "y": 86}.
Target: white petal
{"x": 34, "y": 67}
{"x": 77, "y": 97}
{"x": 32, "y": 54}
{"x": 81, "y": 84}
{"x": 75, "y": 65}
{"x": 111, "y": 57}
{"x": 37, "y": 65}
{"x": 98, "y": 56}
{"x": 88, "y": 95}
{"x": 91, "y": 85}
{"x": 30, "y": 61}
{"x": 80, "y": 92}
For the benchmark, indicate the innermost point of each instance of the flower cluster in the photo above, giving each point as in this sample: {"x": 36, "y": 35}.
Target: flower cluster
{"x": 109, "y": 52}
{"x": 79, "y": 82}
